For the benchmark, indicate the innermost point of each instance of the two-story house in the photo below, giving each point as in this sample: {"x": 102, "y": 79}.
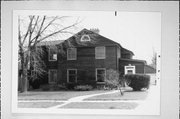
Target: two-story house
{"x": 86, "y": 56}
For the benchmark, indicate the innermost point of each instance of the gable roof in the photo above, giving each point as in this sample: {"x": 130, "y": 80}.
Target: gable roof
{"x": 126, "y": 51}
{"x": 96, "y": 39}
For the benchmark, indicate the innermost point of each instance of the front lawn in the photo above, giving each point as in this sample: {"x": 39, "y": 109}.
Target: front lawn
{"x": 128, "y": 95}
{"x": 101, "y": 105}
{"x": 57, "y": 95}
{"x": 37, "y": 104}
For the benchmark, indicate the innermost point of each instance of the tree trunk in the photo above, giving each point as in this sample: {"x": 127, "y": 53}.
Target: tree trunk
{"x": 25, "y": 60}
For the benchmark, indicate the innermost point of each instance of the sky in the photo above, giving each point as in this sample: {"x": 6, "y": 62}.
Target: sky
{"x": 139, "y": 32}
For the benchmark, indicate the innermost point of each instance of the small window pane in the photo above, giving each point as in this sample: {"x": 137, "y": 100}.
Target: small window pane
{"x": 72, "y": 72}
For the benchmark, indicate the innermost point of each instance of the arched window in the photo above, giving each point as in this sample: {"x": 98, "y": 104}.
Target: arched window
{"x": 85, "y": 38}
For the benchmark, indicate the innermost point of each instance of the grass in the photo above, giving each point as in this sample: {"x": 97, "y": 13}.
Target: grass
{"x": 100, "y": 105}
{"x": 37, "y": 104}
{"x": 128, "y": 95}
{"x": 61, "y": 95}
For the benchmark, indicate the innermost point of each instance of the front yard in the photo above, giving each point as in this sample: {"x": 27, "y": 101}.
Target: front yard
{"x": 128, "y": 95}
{"x": 101, "y": 105}
{"x": 37, "y": 104}
{"x": 103, "y": 101}
{"x": 57, "y": 95}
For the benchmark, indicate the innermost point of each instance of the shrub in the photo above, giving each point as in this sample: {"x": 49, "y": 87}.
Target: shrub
{"x": 137, "y": 81}
{"x": 70, "y": 86}
{"x": 83, "y": 87}
{"x": 35, "y": 83}
{"x": 92, "y": 83}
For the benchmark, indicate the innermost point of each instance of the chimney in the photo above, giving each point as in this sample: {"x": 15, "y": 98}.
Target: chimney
{"x": 95, "y": 30}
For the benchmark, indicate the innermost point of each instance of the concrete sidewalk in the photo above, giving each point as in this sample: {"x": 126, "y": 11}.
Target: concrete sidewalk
{"x": 81, "y": 98}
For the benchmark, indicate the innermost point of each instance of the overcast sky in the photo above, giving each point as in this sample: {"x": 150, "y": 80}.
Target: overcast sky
{"x": 139, "y": 32}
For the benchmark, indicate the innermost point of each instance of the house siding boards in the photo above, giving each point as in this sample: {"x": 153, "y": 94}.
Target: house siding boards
{"x": 139, "y": 65}
{"x": 86, "y": 62}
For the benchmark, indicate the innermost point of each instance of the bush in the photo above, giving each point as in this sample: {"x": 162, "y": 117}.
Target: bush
{"x": 137, "y": 81}
{"x": 35, "y": 83}
{"x": 87, "y": 82}
{"x": 83, "y": 87}
{"x": 70, "y": 86}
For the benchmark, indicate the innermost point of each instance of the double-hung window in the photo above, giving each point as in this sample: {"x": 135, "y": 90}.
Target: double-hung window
{"x": 71, "y": 54}
{"x": 72, "y": 75}
{"x": 100, "y": 74}
{"x": 100, "y": 52}
{"x": 52, "y": 54}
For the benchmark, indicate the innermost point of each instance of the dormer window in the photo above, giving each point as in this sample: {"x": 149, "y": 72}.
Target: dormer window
{"x": 85, "y": 38}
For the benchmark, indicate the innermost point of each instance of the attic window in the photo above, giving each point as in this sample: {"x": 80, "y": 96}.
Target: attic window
{"x": 85, "y": 38}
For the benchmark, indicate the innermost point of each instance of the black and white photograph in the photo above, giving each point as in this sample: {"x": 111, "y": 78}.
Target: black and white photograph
{"x": 93, "y": 61}
{"x": 90, "y": 59}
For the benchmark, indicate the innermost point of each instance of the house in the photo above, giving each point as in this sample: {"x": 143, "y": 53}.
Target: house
{"x": 151, "y": 71}
{"x": 85, "y": 57}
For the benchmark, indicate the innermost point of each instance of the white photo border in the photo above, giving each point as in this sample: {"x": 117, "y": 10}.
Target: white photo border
{"x": 15, "y": 109}
{"x": 169, "y": 53}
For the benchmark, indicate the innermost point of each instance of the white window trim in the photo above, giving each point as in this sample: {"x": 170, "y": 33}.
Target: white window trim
{"x": 104, "y": 52}
{"x": 85, "y": 40}
{"x": 49, "y": 75}
{"x": 68, "y": 75}
{"x": 75, "y": 54}
{"x": 49, "y": 56}
{"x": 133, "y": 69}
{"x": 100, "y": 69}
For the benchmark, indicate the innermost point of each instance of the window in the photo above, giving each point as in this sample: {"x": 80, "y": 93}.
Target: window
{"x": 100, "y": 52}
{"x": 100, "y": 74}
{"x": 52, "y": 76}
{"x": 52, "y": 54}
{"x": 71, "y": 75}
{"x": 85, "y": 38}
{"x": 71, "y": 54}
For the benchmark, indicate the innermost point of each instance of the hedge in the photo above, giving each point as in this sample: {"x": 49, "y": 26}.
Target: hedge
{"x": 137, "y": 81}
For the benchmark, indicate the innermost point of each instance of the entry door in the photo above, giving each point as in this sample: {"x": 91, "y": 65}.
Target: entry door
{"x": 71, "y": 75}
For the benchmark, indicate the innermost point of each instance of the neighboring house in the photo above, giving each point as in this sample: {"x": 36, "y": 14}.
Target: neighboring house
{"x": 86, "y": 56}
{"x": 149, "y": 70}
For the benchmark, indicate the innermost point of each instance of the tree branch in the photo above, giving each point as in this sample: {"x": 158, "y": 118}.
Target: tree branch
{"x": 59, "y": 31}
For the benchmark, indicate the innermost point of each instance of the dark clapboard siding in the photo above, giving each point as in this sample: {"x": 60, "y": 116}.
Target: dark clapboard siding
{"x": 86, "y": 62}
{"x": 139, "y": 65}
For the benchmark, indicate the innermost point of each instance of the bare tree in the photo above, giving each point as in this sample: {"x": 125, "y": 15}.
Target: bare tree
{"x": 113, "y": 80}
{"x": 154, "y": 60}
{"x": 33, "y": 30}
